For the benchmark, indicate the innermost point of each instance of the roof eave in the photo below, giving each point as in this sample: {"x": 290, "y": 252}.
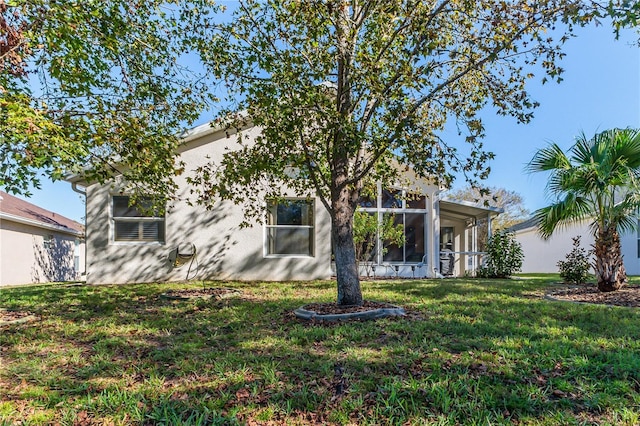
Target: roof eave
{"x": 485, "y": 209}
{"x": 185, "y": 137}
{"x": 38, "y": 224}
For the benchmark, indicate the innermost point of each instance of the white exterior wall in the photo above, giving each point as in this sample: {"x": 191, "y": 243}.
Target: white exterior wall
{"x": 630, "y": 252}
{"x": 543, "y": 256}
{"x": 224, "y": 251}
{"x": 25, "y": 260}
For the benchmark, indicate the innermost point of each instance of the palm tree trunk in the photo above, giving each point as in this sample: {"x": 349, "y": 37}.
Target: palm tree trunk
{"x": 609, "y": 266}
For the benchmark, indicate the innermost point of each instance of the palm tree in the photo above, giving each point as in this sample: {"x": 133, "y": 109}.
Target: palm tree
{"x": 598, "y": 181}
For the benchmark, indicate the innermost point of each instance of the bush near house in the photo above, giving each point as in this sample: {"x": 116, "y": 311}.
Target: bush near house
{"x": 504, "y": 256}
{"x": 575, "y": 268}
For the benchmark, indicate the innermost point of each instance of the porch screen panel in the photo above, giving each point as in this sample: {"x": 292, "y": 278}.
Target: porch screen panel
{"x": 414, "y": 248}
{"x": 414, "y": 237}
{"x": 415, "y": 201}
{"x": 395, "y": 253}
{"x": 392, "y": 198}
{"x": 366, "y": 250}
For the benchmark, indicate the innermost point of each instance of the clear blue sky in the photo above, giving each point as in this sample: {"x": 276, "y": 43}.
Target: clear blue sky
{"x": 601, "y": 90}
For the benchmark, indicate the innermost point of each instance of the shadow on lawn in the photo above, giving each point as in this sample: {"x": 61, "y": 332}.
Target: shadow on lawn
{"x": 478, "y": 351}
{"x": 132, "y": 323}
{"x": 441, "y": 288}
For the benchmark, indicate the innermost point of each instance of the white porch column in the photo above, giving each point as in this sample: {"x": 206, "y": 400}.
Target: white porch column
{"x": 435, "y": 239}
{"x": 474, "y": 245}
{"x": 380, "y": 217}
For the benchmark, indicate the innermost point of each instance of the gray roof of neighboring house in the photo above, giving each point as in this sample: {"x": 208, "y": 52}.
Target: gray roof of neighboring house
{"x": 18, "y": 210}
{"x": 532, "y": 222}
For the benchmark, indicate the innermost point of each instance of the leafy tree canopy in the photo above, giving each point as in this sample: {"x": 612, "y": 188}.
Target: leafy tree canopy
{"x": 92, "y": 85}
{"x": 624, "y": 13}
{"x": 345, "y": 85}
{"x": 340, "y": 88}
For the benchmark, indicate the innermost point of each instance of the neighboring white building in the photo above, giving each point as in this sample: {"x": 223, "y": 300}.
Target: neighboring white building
{"x": 124, "y": 245}
{"x": 37, "y": 245}
{"x": 543, "y": 255}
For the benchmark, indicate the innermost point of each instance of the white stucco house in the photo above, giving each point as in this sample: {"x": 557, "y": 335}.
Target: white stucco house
{"x": 37, "y": 245}
{"x": 125, "y": 245}
{"x": 543, "y": 255}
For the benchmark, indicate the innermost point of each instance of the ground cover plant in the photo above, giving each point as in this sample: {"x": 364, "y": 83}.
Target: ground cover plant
{"x": 471, "y": 351}
{"x": 574, "y": 269}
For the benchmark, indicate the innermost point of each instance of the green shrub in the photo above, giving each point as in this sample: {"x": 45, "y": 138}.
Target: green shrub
{"x": 575, "y": 269}
{"x": 504, "y": 256}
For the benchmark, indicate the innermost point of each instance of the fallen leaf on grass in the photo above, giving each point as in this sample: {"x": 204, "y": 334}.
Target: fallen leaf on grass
{"x": 82, "y": 419}
{"x": 242, "y": 394}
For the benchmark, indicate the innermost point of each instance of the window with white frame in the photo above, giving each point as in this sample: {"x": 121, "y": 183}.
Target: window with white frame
{"x": 76, "y": 256}
{"x": 138, "y": 222}
{"x": 290, "y": 227}
{"x": 48, "y": 241}
{"x": 395, "y": 198}
{"x": 406, "y": 208}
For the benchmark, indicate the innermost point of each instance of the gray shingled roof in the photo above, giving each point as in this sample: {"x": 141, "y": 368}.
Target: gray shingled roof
{"x": 12, "y": 207}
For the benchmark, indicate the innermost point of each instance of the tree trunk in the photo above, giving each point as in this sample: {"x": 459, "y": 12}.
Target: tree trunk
{"x": 609, "y": 266}
{"x": 349, "y": 292}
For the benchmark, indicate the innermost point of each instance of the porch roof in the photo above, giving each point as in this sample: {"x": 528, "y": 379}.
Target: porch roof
{"x": 467, "y": 209}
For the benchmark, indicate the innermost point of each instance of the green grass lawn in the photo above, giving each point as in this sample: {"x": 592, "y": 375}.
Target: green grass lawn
{"x": 476, "y": 352}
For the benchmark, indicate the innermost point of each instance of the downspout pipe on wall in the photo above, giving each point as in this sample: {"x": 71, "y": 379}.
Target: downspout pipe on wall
{"x": 83, "y": 192}
{"x": 74, "y": 186}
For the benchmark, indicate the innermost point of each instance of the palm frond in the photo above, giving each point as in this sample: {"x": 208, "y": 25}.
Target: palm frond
{"x": 582, "y": 150}
{"x": 627, "y": 146}
{"x": 565, "y": 212}
{"x": 588, "y": 182}
{"x": 625, "y": 213}
{"x": 549, "y": 159}
{"x": 627, "y": 224}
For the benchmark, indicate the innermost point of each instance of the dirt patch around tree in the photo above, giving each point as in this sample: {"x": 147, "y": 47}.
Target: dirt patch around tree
{"x": 369, "y": 310}
{"x": 8, "y": 317}
{"x": 334, "y": 308}
{"x": 628, "y": 296}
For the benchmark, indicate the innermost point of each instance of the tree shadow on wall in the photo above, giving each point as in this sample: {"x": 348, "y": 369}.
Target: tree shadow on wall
{"x": 210, "y": 249}
{"x": 54, "y": 261}
{"x": 209, "y": 230}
